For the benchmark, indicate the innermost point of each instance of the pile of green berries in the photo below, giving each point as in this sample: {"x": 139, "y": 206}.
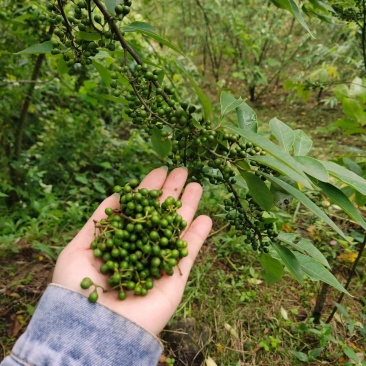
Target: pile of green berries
{"x": 139, "y": 242}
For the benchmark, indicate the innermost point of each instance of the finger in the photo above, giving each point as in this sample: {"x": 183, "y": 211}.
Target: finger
{"x": 190, "y": 200}
{"x": 195, "y": 237}
{"x": 174, "y": 183}
{"x": 155, "y": 179}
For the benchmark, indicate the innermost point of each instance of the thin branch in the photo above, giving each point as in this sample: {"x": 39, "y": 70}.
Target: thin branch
{"x": 123, "y": 42}
{"x": 27, "y": 100}
{"x": 353, "y": 270}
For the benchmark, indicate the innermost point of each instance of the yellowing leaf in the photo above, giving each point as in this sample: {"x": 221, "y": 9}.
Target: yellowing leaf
{"x": 231, "y": 330}
{"x": 219, "y": 348}
{"x": 347, "y": 257}
{"x": 311, "y": 230}
{"x": 284, "y": 313}
{"x": 210, "y": 362}
{"x": 287, "y": 228}
{"x": 332, "y": 71}
{"x": 254, "y": 281}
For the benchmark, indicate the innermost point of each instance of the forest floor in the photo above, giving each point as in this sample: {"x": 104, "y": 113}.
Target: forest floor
{"x": 228, "y": 313}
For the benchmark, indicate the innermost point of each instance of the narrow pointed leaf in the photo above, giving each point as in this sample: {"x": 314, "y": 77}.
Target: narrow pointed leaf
{"x": 289, "y": 260}
{"x": 292, "y": 7}
{"x": 160, "y": 145}
{"x": 258, "y": 190}
{"x": 271, "y": 148}
{"x": 304, "y": 246}
{"x": 318, "y": 272}
{"x": 282, "y": 168}
{"x": 306, "y": 202}
{"x": 111, "y": 5}
{"x": 44, "y": 47}
{"x": 272, "y": 270}
{"x": 148, "y": 30}
{"x": 303, "y": 143}
{"x": 346, "y": 176}
{"x": 283, "y": 133}
{"x": 313, "y": 167}
{"x": 247, "y": 118}
{"x": 338, "y": 197}
{"x": 228, "y": 103}
{"x": 103, "y": 72}
{"x": 88, "y": 36}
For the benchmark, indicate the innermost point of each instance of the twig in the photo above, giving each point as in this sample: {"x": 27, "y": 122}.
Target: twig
{"x": 353, "y": 269}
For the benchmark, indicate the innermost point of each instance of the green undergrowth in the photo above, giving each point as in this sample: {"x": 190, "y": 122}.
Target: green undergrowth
{"x": 248, "y": 322}
{"x": 251, "y": 323}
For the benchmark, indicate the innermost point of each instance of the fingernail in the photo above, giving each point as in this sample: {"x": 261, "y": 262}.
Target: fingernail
{"x": 117, "y": 195}
{"x": 165, "y": 168}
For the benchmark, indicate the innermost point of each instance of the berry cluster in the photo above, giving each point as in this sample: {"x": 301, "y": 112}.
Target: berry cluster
{"x": 211, "y": 154}
{"x": 139, "y": 242}
{"x": 78, "y": 51}
{"x": 247, "y": 220}
{"x": 353, "y": 13}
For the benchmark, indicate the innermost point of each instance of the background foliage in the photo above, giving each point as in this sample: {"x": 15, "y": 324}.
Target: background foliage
{"x": 66, "y": 139}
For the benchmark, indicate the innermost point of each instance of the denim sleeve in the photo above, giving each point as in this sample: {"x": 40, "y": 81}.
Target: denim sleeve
{"x": 68, "y": 330}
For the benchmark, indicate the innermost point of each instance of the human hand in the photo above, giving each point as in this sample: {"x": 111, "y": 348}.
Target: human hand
{"x": 152, "y": 312}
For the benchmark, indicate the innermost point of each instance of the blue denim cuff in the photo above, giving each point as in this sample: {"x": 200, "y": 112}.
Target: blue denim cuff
{"x": 66, "y": 329}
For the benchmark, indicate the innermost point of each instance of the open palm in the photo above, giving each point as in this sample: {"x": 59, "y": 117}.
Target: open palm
{"x": 153, "y": 311}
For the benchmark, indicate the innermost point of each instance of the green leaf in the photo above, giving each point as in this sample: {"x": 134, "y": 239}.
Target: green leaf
{"x": 353, "y": 166}
{"x": 247, "y": 118}
{"x": 346, "y": 176}
{"x": 44, "y": 47}
{"x": 45, "y": 250}
{"x": 304, "y": 246}
{"x": 318, "y": 272}
{"x": 313, "y": 167}
{"x": 103, "y": 72}
{"x": 82, "y": 179}
{"x": 99, "y": 187}
{"x": 282, "y": 168}
{"x": 88, "y": 36}
{"x": 273, "y": 149}
{"x": 206, "y": 103}
{"x": 283, "y": 133}
{"x": 303, "y": 143}
{"x": 301, "y": 356}
{"x": 289, "y": 260}
{"x": 112, "y": 98}
{"x": 353, "y": 109}
{"x": 148, "y": 30}
{"x": 306, "y": 202}
{"x": 292, "y": 7}
{"x": 160, "y": 145}
{"x": 258, "y": 190}
{"x": 105, "y": 165}
{"x": 111, "y": 5}
{"x": 351, "y": 354}
{"x": 338, "y": 197}
{"x": 61, "y": 66}
{"x": 228, "y": 103}
{"x": 272, "y": 270}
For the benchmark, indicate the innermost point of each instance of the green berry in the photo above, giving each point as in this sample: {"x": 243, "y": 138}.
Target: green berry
{"x": 86, "y": 283}
{"x": 108, "y": 211}
{"x": 93, "y": 297}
